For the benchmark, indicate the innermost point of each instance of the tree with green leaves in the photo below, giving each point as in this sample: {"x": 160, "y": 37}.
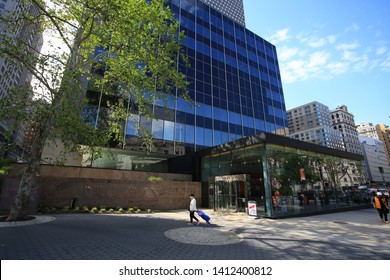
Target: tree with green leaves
{"x": 139, "y": 43}
{"x": 335, "y": 169}
{"x": 285, "y": 168}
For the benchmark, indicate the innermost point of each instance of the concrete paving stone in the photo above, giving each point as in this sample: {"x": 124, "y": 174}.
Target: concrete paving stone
{"x": 347, "y": 235}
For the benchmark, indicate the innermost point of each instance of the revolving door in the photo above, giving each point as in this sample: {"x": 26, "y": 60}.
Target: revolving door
{"x": 228, "y": 192}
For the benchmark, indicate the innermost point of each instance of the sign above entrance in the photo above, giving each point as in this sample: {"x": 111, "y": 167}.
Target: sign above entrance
{"x": 230, "y": 178}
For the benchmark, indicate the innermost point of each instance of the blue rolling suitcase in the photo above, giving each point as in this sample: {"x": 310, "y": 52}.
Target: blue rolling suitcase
{"x": 203, "y": 216}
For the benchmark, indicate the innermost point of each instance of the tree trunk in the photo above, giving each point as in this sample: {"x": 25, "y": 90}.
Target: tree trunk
{"x": 20, "y": 206}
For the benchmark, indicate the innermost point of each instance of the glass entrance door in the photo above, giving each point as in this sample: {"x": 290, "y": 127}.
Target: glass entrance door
{"x": 227, "y": 192}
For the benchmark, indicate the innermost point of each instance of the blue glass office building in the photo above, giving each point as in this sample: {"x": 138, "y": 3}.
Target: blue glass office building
{"x": 233, "y": 78}
{"x": 228, "y": 140}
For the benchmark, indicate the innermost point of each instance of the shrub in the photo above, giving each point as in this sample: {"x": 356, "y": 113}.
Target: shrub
{"x": 94, "y": 210}
{"x": 130, "y": 210}
{"x": 138, "y": 211}
{"x": 45, "y": 210}
{"x": 111, "y": 211}
{"x": 149, "y": 211}
{"x": 135, "y": 208}
{"x": 4, "y": 166}
{"x": 85, "y": 209}
{"x": 155, "y": 179}
{"x": 121, "y": 211}
{"x": 76, "y": 210}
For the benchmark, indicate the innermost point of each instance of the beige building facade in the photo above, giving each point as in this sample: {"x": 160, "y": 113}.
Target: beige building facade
{"x": 312, "y": 123}
{"x": 344, "y": 122}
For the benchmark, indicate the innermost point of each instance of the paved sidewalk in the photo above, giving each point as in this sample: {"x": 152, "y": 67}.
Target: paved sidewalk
{"x": 166, "y": 236}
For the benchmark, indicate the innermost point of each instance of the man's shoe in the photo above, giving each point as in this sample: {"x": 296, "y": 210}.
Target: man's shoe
{"x": 198, "y": 223}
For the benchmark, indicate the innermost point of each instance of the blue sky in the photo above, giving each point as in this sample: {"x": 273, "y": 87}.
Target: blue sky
{"x": 331, "y": 51}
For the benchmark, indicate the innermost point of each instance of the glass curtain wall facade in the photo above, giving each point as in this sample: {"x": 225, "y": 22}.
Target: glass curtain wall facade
{"x": 282, "y": 180}
{"x": 234, "y": 81}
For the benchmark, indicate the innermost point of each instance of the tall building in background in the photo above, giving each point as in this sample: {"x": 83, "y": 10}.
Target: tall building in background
{"x": 234, "y": 9}
{"x": 344, "y": 122}
{"x": 233, "y": 77}
{"x": 14, "y": 75}
{"x": 376, "y": 162}
{"x": 384, "y": 135}
{"x": 379, "y": 131}
{"x": 312, "y": 123}
{"x": 367, "y": 129}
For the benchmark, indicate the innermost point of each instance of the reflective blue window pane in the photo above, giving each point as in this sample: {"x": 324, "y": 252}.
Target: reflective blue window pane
{"x": 171, "y": 102}
{"x": 158, "y": 128}
{"x": 185, "y": 106}
{"x": 260, "y": 126}
{"x": 270, "y": 127}
{"x": 190, "y": 134}
{"x": 234, "y": 118}
{"x": 217, "y": 137}
{"x": 248, "y": 121}
{"x": 132, "y": 124}
{"x": 224, "y": 137}
{"x": 208, "y": 137}
{"x": 146, "y": 124}
{"x": 220, "y": 114}
{"x": 180, "y": 132}
{"x": 233, "y": 137}
{"x": 169, "y": 128}
{"x": 200, "y": 136}
{"x": 207, "y": 111}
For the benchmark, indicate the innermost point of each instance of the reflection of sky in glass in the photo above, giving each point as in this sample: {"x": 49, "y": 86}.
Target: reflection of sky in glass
{"x": 158, "y": 128}
{"x": 200, "y": 136}
{"x": 132, "y": 124}
{"x": 190, "y": 134}
{"x": 179, "y": 132}
{"x": 169, "y": 129}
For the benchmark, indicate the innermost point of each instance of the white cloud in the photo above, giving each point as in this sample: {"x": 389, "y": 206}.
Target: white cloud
{"x": 318, "y": 59}
{"x": 280, "y": 36}
{"x": 353, "y": 28}
{"x": 293, "y": 71}
{"x": 350, "y": 46}
{"x": 309, "y": 55}
{"x": 381, "y": 50}
{"x": 285, "y": 53}
{"x": 337, "y": 67}
{"x": 317, "y": 42}
{"x": 350, "y": 56}
{"x": 386, "y": 63}
{"x": 361, "y": 63}
{"x": 301, "y": 69}
{"x": 331, "y": 39}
